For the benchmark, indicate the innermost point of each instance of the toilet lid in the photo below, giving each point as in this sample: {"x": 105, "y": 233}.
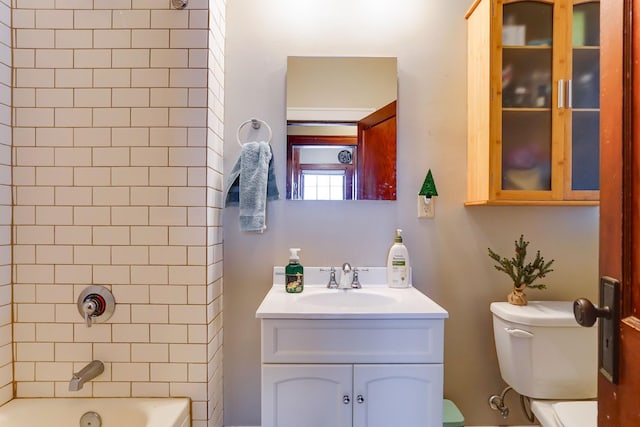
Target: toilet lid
{"x": 577, "y": 414}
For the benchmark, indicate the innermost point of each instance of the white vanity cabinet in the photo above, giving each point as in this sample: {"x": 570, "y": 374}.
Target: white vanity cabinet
{"x": 357, "y": 395}
{"x": 377, "y": 372}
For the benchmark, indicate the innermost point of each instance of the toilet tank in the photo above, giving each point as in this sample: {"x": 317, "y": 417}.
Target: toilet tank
{"x": 543, "y": 353}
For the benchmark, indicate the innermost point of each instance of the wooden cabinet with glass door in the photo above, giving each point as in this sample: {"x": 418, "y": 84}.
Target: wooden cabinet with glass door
{"x": 533, "y": 102}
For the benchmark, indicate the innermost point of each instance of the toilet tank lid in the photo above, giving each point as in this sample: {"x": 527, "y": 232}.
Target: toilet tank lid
{"x": 537, "y": 313}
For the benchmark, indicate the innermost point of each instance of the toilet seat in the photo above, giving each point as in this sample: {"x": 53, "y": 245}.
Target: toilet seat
{"x": 554, "y": 413}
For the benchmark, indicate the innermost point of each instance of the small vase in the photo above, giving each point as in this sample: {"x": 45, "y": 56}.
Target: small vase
{"x": 517, "y": 296}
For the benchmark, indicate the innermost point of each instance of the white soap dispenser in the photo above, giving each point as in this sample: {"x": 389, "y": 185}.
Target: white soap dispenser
{"x": 398, "y": 268}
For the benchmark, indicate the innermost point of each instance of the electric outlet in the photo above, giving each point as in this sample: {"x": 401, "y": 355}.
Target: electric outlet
{"x": 426, "y": 207}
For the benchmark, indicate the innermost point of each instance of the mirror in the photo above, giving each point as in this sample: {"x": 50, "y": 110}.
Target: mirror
{"x": 341, "y": 128}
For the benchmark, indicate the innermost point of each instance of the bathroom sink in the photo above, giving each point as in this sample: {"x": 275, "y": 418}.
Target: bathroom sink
{"x": 374, "y": 301}
{"x": 346, "y": 298}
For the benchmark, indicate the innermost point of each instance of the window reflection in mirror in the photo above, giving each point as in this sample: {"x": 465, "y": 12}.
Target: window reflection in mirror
{"x": 341, "y": 128}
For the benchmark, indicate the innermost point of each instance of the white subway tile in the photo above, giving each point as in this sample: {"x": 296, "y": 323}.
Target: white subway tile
{"x": 72, "y": 156}
{"x": 169, "y": 19}
{"x": 149, "y": 117}
{"x": 53, "y": 293}
{"x": 112, "y": 4}
{"x": 130, "y": 176}
{"x": 54, "y": 176}
{"x": 188, "y": 77}
{"x": 187, "y": 236}
{"x": 91, "y": 137}
{"x": 193, "y": 38}
{"x": 54, "y": 254}
{"x": 92, "y": 254}
{"x": 32, "y": 38}
{"x": 148, "y": 196}
{"x": 168, "y": 372}
{"x": 91, "y": 97}
{"x": 53, "y": 371}
{"x": 24, "y": 254}
{"x": 49, "y": 18}
{"x": 130, "y": 97}
{"x": 130, "y": 255}
{"x": 23, "y": 18}
{"x": 34, "y": 313}
{"x": 91, "y": 215}
{"x": 54, "y": 215}
{"x": 72, "y": 196}
{"x": 150, "y": 156}
{"x": 154, "y": 389}
{"x": 196, "y": 217}
{"x": 72, "y": 4}
{"x": 112, "y": 77}
{"x": 198, "y": 334}
{"x": 73, "y": 117}
{"x": 170, "y": 176}
{"x": 169, "y": 58}
{"x": 153, "y": 77}
{"x": 92, "y": 19}
{"x": 130, "y": 372}
{"x": 168, "y": 255}
{"x": 34, "y": 389}
{"x": 92, "y": 58}
{"x": 197, "y": 255}
{"x": 110, "y": 156}
{"x": 145, "y": 275}
{"x": 23, "y": 293}
{"x": 131, "y": 19}
{"x": 149, "y": 235}
{"x": 199, "y": 19}
{"x": 112, "y": 39}
{"x": 130, "y": 215}
{"x": 54, "y": 137}
{"x": 24, "y": 371}
{"x": 73, "y": 78}
{"x": 187, "y": 275}
{"x": 72, "y": 235}
{"x": 54, "y": 58}
{"x": 167, "y": 215}
{"x": 115, "y": 117}
{"x": 198, "y": 58}
{"x": 113, "y": 352}
{"x": 74, "y": 39}
{"x": 33, "y": 117}
{"x": 48, "y": 97}
{"x": 111, "y": 274}
{"x": 149, "y": 353}
{"x": 111, "y": 389}
{"x": 130, "y": 58}
{"x": 100, "y": 332}
{"x": 187, "y": 314}
{"x": 168, "y": 137}
{"x": 73, "y": 273}
{"x": 150, "y": 39}
{"x": 169, "y": 97}
{"x": 198, "y": 98}
{"x": 54, "y": 332}
{"x": 92, "y": 176}
{"x": 72, "y": 352}
{"x": 34, "y": 235}
{"x": 111, "y": 196}
{"x": 24, "y": 97}
{"x": 130, "y": 137}
{"x": 187, "y": 196}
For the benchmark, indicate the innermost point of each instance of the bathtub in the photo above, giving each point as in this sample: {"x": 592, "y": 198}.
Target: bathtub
{"x": 114, "y": 412}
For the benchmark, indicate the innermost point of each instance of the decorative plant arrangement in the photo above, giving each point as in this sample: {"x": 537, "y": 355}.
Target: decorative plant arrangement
{"x": 523, "y": 275}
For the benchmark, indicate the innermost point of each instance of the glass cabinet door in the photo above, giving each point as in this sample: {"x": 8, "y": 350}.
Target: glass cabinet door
{"x": 527, "y": 58}
{"x": 584, "y": 97}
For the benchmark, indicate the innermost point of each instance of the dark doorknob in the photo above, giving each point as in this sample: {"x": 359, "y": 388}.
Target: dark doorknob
{"x": 586, "y": 313}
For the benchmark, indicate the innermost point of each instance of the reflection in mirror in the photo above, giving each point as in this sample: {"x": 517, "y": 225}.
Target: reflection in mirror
{"x": 341, "y": 128}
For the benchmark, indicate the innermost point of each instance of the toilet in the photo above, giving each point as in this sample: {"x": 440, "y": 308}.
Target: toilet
{"x": 544, "y": 354}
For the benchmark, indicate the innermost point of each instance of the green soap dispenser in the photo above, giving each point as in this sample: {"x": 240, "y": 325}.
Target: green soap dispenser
{"x": 294, "y": 273}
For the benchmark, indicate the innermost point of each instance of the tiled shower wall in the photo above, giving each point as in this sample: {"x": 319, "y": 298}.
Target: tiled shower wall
{"x": 6, "y": 367}
{"x": 117, "y": 175}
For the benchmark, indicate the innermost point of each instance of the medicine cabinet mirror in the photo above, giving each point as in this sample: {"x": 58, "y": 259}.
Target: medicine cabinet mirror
{"x": 341, "y": 128}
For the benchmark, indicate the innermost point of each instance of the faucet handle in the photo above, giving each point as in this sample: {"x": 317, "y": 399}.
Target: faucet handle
{"x": 355, "y": 282}
{"x": 332, "y": 279}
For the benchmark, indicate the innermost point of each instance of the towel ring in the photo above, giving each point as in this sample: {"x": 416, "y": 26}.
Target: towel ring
{"x": 255, "y": 123}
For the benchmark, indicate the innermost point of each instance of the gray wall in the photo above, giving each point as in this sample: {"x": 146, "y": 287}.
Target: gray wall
{"x": 449, "y": 253}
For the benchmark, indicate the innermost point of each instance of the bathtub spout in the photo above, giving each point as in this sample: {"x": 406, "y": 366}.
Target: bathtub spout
{"x": 89, "y": 372}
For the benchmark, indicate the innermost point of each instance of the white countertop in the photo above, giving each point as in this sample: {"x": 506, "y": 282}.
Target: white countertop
{"x": 404, "y": 303}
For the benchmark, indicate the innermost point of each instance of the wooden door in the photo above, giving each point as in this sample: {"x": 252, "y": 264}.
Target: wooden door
{"x": 377, "y": 155}
{"x": 397, "y": 395}
{"x": 620, "y": 200}
{"x": 306, "y": 395}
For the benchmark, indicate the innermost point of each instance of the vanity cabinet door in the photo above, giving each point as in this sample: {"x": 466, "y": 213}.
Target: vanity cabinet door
{"x": 307, "y": 395}
{"x": 397, "y": 395}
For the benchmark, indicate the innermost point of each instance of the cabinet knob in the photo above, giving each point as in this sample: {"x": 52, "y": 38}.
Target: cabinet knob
{"x": 346, "y": 399}
{"x": 360, "y": 398}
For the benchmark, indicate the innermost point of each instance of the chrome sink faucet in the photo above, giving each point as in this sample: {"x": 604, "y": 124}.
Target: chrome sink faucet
{"x": 89, "y": 372}
{"x": 333, "y": 284}
{"x": 346, "y": 278}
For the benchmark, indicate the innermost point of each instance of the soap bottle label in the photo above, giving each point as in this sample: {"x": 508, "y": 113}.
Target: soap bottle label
{"x": 294, "y": 282}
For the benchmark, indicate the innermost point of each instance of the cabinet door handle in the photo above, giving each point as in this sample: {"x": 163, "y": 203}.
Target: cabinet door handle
{"x": 360, "y": 398}
{"x": 346, "y": 399}
{"x": 561, "y": 93}
{"x": 569, "y": 93}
